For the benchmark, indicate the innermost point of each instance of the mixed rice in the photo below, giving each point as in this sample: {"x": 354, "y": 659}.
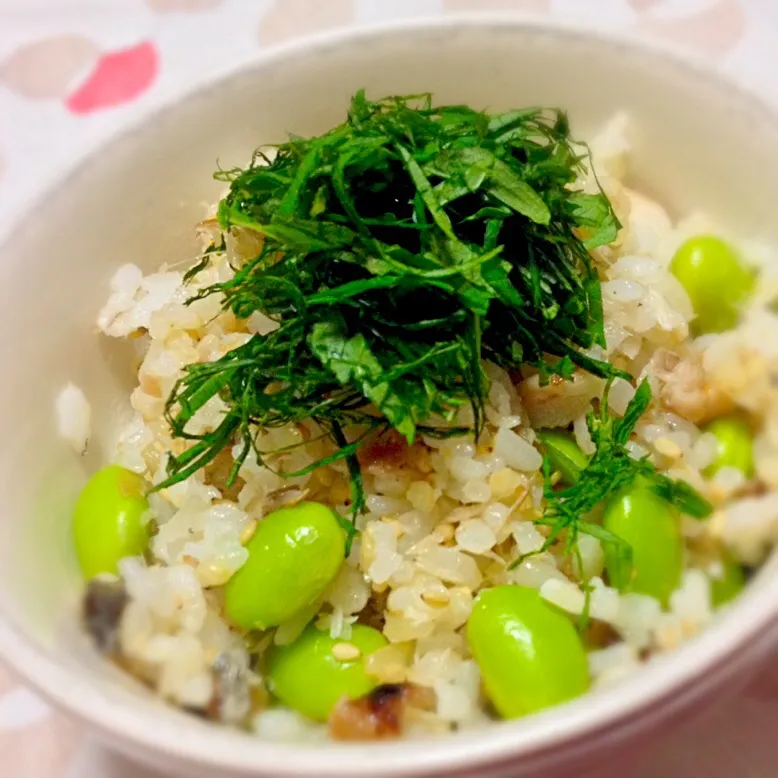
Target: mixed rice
{"x": 444, "y": 518}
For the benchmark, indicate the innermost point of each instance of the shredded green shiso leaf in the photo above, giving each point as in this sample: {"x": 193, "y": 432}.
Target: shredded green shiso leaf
{"x": 401, "y": 249}
{"x": 610, "y": 470}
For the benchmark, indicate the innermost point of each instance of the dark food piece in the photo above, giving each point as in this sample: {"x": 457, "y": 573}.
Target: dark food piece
{"x": 374, "y": 613}
{"x": 600, "y": 634}
{"x": 379, "y": 715}
{"x": 104, "y": 603}
{"x": 218, "y": 473}
{"x": 231, "y": 701}
{"x": 388, "y": 452}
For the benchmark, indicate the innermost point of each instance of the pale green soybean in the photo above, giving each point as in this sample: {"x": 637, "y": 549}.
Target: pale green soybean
{"x": 529, "y": 653}
{"x": 734, "y": 445}
{"x": 108, "y": 521}
{"x": 651, "y": 526}
{"x": 729, "y": 585}
{"x": 565, "y": 455}
{"x": 316, "y": 671}
{"x": 715, "y": 279}
{"x": 293, "y": 556}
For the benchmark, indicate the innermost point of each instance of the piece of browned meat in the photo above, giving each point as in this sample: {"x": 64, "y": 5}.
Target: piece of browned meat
{"x": 380, "y": 715}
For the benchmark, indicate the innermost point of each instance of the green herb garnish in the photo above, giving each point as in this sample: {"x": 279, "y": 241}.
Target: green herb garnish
{"x": 401, "y": 249}
{"x": 610, "y": 469}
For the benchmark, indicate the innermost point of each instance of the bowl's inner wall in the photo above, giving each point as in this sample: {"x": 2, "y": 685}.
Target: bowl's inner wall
{"x": 696, "y": 145}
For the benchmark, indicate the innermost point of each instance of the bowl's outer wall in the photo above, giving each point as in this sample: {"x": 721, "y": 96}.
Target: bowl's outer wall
{"x": 696, "y": 145}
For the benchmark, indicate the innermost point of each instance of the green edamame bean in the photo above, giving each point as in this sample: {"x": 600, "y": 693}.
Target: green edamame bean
{"x": 729, "y": 585}
{"x": 316, "y": 671}
{"x": 715, "y": 279}
{"x": 734, "y": 445}
{"x": 564, "y": 454}
{"x": 651, "y": 526}
{"x": 293, "y": 556}
{"x": 108, "y": 520}
{"x": 530, "y": 654}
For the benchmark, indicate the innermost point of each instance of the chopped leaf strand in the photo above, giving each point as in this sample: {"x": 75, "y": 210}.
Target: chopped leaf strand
{"x": 610, "y": 470}
{"x": 400, "y": 250}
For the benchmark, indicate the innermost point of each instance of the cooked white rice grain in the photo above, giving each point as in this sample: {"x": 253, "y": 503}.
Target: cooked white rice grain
{"x": 74, "y": 417}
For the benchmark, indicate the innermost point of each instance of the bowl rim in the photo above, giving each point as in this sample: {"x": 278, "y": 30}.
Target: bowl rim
{"x": 663, "y": 688}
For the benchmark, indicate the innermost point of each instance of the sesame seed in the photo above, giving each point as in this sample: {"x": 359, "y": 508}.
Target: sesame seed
{"x": 248, "y": 532}
{"x": 717, "y": 492}
{"x": 444, "y": 532}
{"x": 668, "y": 448}
{"x": 436, "y": 598}
{"x": 346, "y": 652}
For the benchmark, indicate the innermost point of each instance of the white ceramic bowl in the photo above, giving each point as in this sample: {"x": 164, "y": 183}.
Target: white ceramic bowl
{"x": 697, "y": 143}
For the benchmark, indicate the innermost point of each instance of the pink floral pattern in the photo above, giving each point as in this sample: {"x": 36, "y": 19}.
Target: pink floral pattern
{"x": 295, "y": 18}
{"x": 47, "y": 68}
{"x": 36, "y": 742}
{"x": 534, "y": 6}
{"x": 165, "y": 6}
{"x": 714, "y": 30}
{"x": 118, "y": 78}
{"x": 43, "y": 748}
{"x": 72, "y": 69}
